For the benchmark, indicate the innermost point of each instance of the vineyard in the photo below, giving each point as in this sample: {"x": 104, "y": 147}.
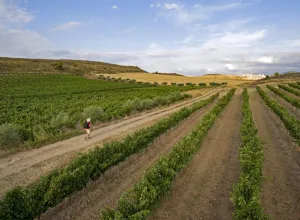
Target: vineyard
{"x": 230, "y": 153}
{"x": 37, "y": 108}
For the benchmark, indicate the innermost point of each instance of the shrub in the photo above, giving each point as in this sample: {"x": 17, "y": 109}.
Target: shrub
{"x": 201, "y": 84}
{"x": 59, "y": 66}
{"x": 173, "y": 84}
{"x": 180, "y": 84}
{"x": 60, "y": 120}
{"x": 96, "y": 113}
{"x": 13, "y": 136}
{"x": 164, "y": 83}
{"x": 188, "y": 83}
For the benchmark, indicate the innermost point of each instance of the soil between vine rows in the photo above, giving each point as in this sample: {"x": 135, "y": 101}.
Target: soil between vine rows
{"x": 201, "y": 189}
{"x": 281, "y": 188}
{"x": 105, "y": 192}
{"x": 25, "y": 167}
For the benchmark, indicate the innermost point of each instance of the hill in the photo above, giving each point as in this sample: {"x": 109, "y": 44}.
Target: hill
{"x": 20, "y": 65}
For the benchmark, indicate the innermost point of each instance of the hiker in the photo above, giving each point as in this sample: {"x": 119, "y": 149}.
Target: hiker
{"x": 87, "y": 127}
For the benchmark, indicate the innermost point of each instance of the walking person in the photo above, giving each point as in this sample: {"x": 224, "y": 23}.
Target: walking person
{"x": 87, "y": 126}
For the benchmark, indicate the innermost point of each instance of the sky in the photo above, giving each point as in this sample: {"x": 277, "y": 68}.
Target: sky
{"x": 191, "y": 37}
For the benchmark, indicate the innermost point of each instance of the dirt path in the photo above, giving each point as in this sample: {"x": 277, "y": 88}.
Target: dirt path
{"x": 292, "y": 109}
{"x": 106, "y": 191}
{"x": 281, "y": 188}
{"x": 201, "y": 189}
{"x": 26, "y": 167}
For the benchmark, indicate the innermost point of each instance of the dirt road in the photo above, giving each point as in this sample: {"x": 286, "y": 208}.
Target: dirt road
{"x": 281, "y": 189}
{"x": 201, "y": 189}
{"x": 26, "y": 167}
{"x": 106, "y": 191}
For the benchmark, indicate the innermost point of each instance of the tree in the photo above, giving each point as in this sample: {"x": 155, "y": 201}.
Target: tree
{"x": 276, "y": 74}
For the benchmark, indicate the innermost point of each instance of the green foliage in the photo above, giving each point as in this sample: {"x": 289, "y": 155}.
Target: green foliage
{"x": 290, "y": 90}
{"x": 59, "y": 66}
{"x": 173, "y": 83}
{"x": 46, "y": 104}
{"x": 245, "y": 194}
{"x": 214, "y": 84}
{"x": 13, "y": 136}
{"x": 267, "y": 77}
{"x": 164, "y": 83}
{"x": 53, "y": 188}
{"x": 138, "y": 201}
{"x": 276, "y": 74}
{"x": 289, "y": 121}
{"x": 291, "y": 100}
{"x": 180, "y": 84}
{"x": 189, "y": 84}
{"x": 96, "y": 113}
{"x": 295, "y": 85}
{"x": 201, "y": 84}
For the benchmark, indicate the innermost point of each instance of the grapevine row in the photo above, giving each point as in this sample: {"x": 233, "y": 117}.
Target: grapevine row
{"x": 295, "y": 85}
{"x": 41, "y": 108}
{"x": 29, "y": 202}
{"x": 289, "y": 89}
{"x": 289, "y": 121}
{"x": 138, "y": 201}
{"x": 293, "y": 101}
{"x": 245, "y": 194}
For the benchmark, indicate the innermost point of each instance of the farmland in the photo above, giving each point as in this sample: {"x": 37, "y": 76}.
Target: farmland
{"x": 56, "y": 104}
{"x": 157, "y": 152}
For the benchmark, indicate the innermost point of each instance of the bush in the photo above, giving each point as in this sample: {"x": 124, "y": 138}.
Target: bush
{"x": 60, "y": 120}
{"x": 180, "y": 84}
{"x": 164, "y": 83}
{"x": 13, "y": 135}
{"x": 59, "y": 66}
{"x": 201, "y": 84}
{"x": 96, "y": 113}
{"x": 173, "y": 84}
{"x": 188, "y": 83}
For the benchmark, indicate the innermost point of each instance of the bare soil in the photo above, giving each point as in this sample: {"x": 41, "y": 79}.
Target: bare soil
{"x": 106, "y": 191}
{"x": 26, "y": 167}
{"x": 281, "y": 189}
{"x": 201, "y": 190}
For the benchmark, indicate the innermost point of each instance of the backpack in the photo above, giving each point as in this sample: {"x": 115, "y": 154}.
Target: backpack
{"x": 86, "y": 125}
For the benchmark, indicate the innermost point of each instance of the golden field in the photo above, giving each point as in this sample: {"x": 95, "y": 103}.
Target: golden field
{"x": 150, "y": 77}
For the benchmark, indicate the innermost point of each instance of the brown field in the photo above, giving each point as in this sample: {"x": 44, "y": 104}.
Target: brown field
{"x": 150, "y": 77}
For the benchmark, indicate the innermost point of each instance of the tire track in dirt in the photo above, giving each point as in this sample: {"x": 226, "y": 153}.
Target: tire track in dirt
{"x": 281, "y": 188}
{"x": 291, "y": 109}
{"x": 201, "y": 190}
{"x": 106, "y": 191}
{"x": 26, "y": 167}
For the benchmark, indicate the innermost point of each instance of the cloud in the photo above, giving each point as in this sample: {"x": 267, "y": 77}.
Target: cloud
{"x": 182, "y": 14}
{"x": 13, "y": 14}
{"x": 128, "y": 30}
{"x": 24, "y": 43}
{"x": 185, "y": 41}
{"x": 115, "y": 7}
{"x": 155, "y": 5}
{"x": 67, "y": 26}
{"x": 171, "y": 6}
